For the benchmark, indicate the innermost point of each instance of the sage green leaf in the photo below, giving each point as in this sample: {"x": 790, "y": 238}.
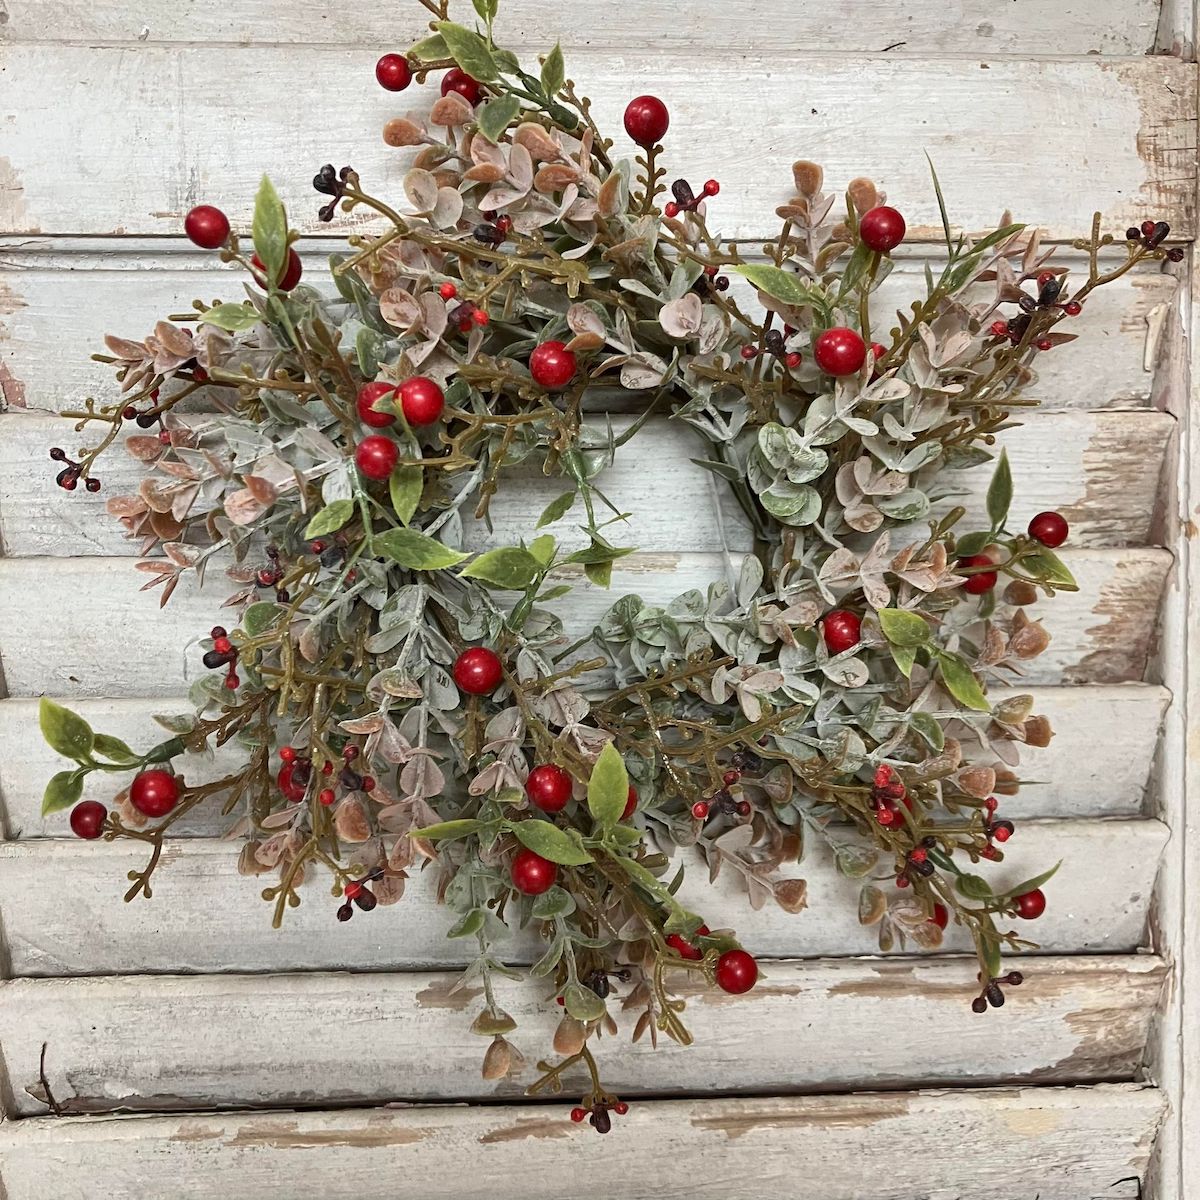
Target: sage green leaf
{"x": 1045, "y": 564}
{"x": 1000, "y": 492}
{"x": 971, "y": 543}
{"x": 448, "y": 830}
{"x": 991, "y": 957}
{"x": 430, "y": 49}
{"x": 486, "y": 9}
{"x": 974, "y": 887}
{"x": 784, "y": 285}
{"x": 724, "y": 470}
{"x": 497, "y": 115}
{"x": 926, "y": 725}
{"x": 405, "y": 486}
{"x": 469, "y": 50}
{"x": 1028, "y": 885}
{"x": 414, "y": 550}
{"x": 233, "y": 317}
{"x": 557, "y": 509}
{"x": 270, "y": 231}
{"x": 510, "y": 567}
{"x": 65, "y": 732}
{"x": 63, "y": 790}
{"x": 331, "y": 518}
{"x": 260, "y": 617}
{"x": 469, "y": 925}
{"x": 903, "y": 628}
{"x": 557, "y": 845}
{"x": 542, "y": 548}
{"x": 608, "y": 787}
{"x": 599, "y": 573}
{"x": 960, "y": 681}
{"x": 997, "y": 235}
{"x": 582, "y": 1003}
{"x": 114, "y": 750}
{"x": 557, "y": 902}
{"x": 553, "y": 72}
{"x": 904, "y": 658}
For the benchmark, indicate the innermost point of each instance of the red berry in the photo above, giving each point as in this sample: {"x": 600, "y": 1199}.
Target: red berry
{"x": 376, "y": 456}
{"x": 982, "y": 582}
{"x": 207, "y": 226}
{"x": 631, "y": 803}
{"x": 326, "y": 796}
{"x": 87, "y": 819}
{"x": 393, "y": 72}
{"x": 1001, "y": 834}
{"x": 1046, "y": 277}
{"x": 744, "y": 808}
{"x": 671, "y": 209}
{"x": 1072, "y": 308}
{"x": 368, "y": 784}
{"x": 620, "y": 1108}
{"x": 287, "y": 754}
{"x": 711, "y": 187}
{"x": 1049, "y": 528}
{"x": 222, "y": 645}
{"x": 504, "y": 224}
{"x": 421, "y": 401}
{"x": 839, "y": 351}
{"x": 941, "y": 915}
{"x": 1045, "y": 344}
{"x": 447, "y": 291}
{"x": 730, "y": 778}
{"x": 878, "y": 350}
{"x": 646, "y": 120}
{"x": 368, "y": 395}
{"x": 291, "y": 788}
{"x": 552, "y": 365}
{"x": 548, "y": 788}
{"x": 882, "y": 228}
{"x": 1030, "y": 905}
{"x": 1147, "y": 227}
{"x": 291, "y": 274}
{"x": 532, "y": 874}
{"x": 577, "y": 1114}
{"x": 748, "y": 352}
{"x": 478, "y": 671}
{"x": 700, "y": 810}
{"x": 682, "y": 947}
{"x": 991, "y": 804}
{"x": 480, "y": 317}
{"x": 154, "y": 793}
{"x": 456, "y": 80}
{"x": 841, "y": 629}
{"x": 737, "y": 971}
{"x": 999, "y": 329}
{"x": 793, "y": 360}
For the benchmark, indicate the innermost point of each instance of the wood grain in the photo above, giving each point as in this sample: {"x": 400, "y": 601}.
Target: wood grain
{"x": 59, "y": 298}
{"x": 204, "y": 917}
{"x": 995, "y": 1144}
{"x": 1129, "y": 151}
{"x": 155, "y": 1043}
{"x": 975, "y": 27}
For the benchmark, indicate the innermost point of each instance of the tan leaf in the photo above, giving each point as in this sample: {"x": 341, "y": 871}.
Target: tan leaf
{"x": 400, "y": 131}
{"x": 124, "y": 348}
{"x": 554, "y": 177}
{"x": 242, "y": 507}
{"x": 261, "y": 489}
{"x": 1038, "y": 731}
{"x": 351, "y": 820}
{"x": 863, "y": 194}
{"x": 1029, "y": 638}
{"x": 1019, "y": 593}
{"x": 569, "y": 1036}
{"x": 808, "y": 177}
{"x": 537, "y": 141}
{"x": 498, "y": 1060}
{"x": 611, "y": 197}
{"x": 979, "y": 782}
{"x": 484, "y": 173}
{"x": 451, "y": 110}
{"x": 791, "y": 895}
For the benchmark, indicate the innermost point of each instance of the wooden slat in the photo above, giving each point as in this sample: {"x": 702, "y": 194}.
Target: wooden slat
{"x": 155, "y": 1043}
{"x": 63, "y": 913}
{"x": 1100, "y": 470}
{"x": 1004, "y": 134}
{"x": 998, "y": 1144}
{"x": 57, "y": 300}
{"x": 1105, "y": 738}
{"x": 56, "y": 609}
{"x": 976, "y": 27}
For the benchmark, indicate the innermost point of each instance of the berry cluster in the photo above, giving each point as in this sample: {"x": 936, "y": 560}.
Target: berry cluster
{"x": 357, "y": 893}
{"x": 68, "y": 477}
{"x": 685, "y": 199}
{"x": 223, "y": 654}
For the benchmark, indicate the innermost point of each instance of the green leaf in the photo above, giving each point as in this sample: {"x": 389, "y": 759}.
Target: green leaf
{"x": 558, "y": 845}
{"x": 996, "y": 236}
{"x": 469, "y": 50}
{"x": 542, "y": 548}
{"x": 598, "y": 552}
{"x": 448, "y": 830}
{"x": 974, "y": 887}
{"x": 270, "y": 231}
{"x": 497, "y": 115}
{"x": 1045, "y": 564}
{"x": 784, "y": 285}
{"x": 260, "y": 617}
{"x": 1028, "y": 885}
{"x": 903, "y": 628}
{"x": 724, "y": 470}
{"x": 599, "y": 573}
{"x": 608, "y": 787}
{"x": 927, "y": 726}
{"x": 510, "y": 567}
{"x": 430, "y": 49}
{"x": 65, "y": 732}
{"x": 904, "y": 657}
{"x": 557, "y": 509}
{"x": 416, "y": 551}
{"x": 991, "y": 957}
{"x": 553, "y": 72}
{"x": 960, "y": 681}
{"x": 557, "y": 902}
{"x": 1000, "y": 492}
{"x": 115, "y": 750}
{"x": 469, "y": 925}
{"x": 405, "y": 486}
{"x": 971, "y": 543}
{"x": 582, "y": 1003}
{"x": 486, "y": 9}
{"x": 332, "y": 517}
{"x": 937, "y": 188}
{"x": 233, "y": 317}
{"x": 63, "y": 790}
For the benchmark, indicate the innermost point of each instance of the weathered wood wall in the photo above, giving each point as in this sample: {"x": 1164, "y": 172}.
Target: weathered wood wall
{"x": 121, "y": 114}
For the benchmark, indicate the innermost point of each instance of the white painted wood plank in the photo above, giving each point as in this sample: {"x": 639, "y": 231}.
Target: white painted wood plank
{"x": 976, "y": 27}
{"x": 1128, "y": 151}
{"x": 1100, "y": 470}
{"x": 155, "y": 1043}
{"x": 1104, "y": 739}
{"x": 57, "y": 300}
{"x": 995, "y": 1144}
{"x": 62, "y": 912}
{"x": 55, "y": 609}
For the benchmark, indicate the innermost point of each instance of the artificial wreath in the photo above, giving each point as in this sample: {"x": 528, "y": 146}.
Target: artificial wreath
{"x": 406, "y": 703}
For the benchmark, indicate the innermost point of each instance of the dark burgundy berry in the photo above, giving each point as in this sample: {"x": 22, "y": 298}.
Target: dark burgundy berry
{"x": 291, "y": 273}
{"x": 552, "y": 365}
{"x": 393, "y": 72}
{"x": 207, "y": 226}
{"x": 345, "y": 912}
{"x": 92, "y": 485}
{"x": 737, "y": 971}
{"x": 1030, "y": 905}
{"x": 982, "y": 581}
{"x": 882, "y": 228}
{"x": 548, "y": 788}
{"x": 979, "y": 1005}
{"x": 646, "y": 120}
{"x": 154, "y": 792}
{"x": 841, "y": 630}
{"x": 457, "y": 80}
{"x": 840, "y": 351}
{"x": 57, "y": 453}
{"x": 478, "y": 671}
{"x": 87, "y": 819}
{"x": 1049, "y": 528}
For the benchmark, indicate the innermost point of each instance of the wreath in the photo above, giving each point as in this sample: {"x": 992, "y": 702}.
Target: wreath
{"x": 409, "y": 701}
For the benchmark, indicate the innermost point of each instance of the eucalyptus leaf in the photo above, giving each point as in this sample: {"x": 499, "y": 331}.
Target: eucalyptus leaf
{"x": 260, "y": 617}
{"x": 582, "y": 1003}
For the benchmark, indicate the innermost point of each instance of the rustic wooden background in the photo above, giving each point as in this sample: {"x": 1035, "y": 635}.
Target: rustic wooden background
{"x": 843, "y": 1075}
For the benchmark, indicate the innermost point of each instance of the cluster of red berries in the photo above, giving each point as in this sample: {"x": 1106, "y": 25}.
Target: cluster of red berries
{"x": 1049, "y": 528}
{"x": 394, "y": 72}
{"x": 775, "y": 344}
{"x": 1049, "y": 296}
{"x": 597, "y": 1113}
{"x": 1151, "y": 234}
{"x": 996, "y": 830}
{"x": 357, "y": 893}
{"x": 493, "y": 229}
{"x": 723, "y": 802}
{"x": 68, "y": 477}
{"x": 294, "y": 776}
{"x": 420, "y": 399}
{"x": 887, "y": 794}
{"x": 223, "y": 654}
{"x": 153, "y": 793}
{"x": 712, "y": 279}
{"x": 736, "y": 970}
{"x": 685, "y": 199}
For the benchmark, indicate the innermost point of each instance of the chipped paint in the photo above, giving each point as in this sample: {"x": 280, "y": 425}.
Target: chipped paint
{"x": 13, "y": 214}
{"x": 833, "y": 1112}
{"x": 441, "y": 994}
{"x": 12, "y": 390}
{"x": 539, "y": 1128}
{"x": 288, "y": 1135}
{"x": 1033, "y": 1122}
